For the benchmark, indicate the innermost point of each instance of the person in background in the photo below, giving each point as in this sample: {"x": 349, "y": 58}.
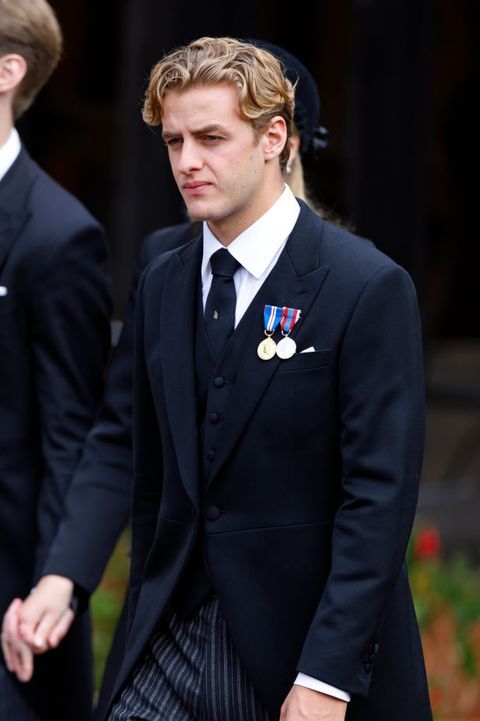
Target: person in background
{"x": 54, "y": 344}
{"x": 97, "y": 506}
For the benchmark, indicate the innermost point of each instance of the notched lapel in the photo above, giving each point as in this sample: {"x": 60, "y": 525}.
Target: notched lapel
{"x": 295, "y": 281}
{"x": 14, "y": 191}
{"x": 178, "y": 358}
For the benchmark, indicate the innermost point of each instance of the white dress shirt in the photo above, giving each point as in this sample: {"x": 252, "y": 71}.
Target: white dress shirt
{"x": 9, "y": 152}
{"x": 257, "y": 250}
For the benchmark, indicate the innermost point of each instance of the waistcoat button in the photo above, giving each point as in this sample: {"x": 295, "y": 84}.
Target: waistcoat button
{"x": 213, "y": 513}
{"x": 219, "y": 382}
{"x": 214, "y": 417}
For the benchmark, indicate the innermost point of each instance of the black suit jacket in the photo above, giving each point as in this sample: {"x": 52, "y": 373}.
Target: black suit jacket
{"x": 54, "y": 341}
{"x": 315, "y": 474}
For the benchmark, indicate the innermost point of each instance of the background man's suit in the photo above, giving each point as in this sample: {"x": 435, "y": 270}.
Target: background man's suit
{"x": 54, "y": 341}
{"x": 310, "y": 470}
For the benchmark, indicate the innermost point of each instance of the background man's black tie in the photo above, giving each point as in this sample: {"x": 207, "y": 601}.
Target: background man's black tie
{"x": 221, "y": 300}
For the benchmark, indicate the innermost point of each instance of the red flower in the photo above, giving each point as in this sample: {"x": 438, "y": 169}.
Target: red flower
{"x": 427, "y": 544}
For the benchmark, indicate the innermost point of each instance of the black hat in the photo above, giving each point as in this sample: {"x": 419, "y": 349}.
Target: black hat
{"x": 313, "y": 137}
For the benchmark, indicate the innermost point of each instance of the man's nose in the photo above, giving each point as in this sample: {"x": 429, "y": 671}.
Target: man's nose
{"x": 190, "y": 157}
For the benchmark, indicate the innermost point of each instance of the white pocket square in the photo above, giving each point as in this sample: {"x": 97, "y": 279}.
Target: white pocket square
{"x": 311, "y": 349}
{"x": 3, "y": 290}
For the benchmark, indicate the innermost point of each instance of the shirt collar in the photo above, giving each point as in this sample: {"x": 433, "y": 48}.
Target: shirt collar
{"x": 9, "y": 152}
{"x": 257, "y": 246}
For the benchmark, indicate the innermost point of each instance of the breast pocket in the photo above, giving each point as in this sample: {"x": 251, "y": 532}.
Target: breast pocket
{"x": 305, "y": 361}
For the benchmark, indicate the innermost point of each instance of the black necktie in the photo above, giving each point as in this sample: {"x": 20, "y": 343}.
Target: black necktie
{"x": 221, "y": 300}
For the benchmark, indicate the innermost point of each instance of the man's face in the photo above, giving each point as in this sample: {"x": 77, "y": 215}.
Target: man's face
{"x": 217, "y": 162}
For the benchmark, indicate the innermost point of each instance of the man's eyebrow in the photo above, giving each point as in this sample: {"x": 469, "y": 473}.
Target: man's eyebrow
{"x": 211, "y": 128}
{"x": 204, "y": 130}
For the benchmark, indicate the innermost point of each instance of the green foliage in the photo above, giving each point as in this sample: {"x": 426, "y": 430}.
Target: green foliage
{"x": 439, "y": 584}
{"x": 106, "y": 605}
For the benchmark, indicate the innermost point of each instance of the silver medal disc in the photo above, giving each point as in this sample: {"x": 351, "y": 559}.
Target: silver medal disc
{"x": 286, "y": 348}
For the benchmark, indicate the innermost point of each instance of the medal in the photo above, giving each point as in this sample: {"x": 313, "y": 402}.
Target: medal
{"x": 266, "y": 349}
{"x": 287, "y": 347}
{"x": 272, "y": 315}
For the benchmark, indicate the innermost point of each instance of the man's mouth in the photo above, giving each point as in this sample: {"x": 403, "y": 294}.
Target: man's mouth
{"x": 195, "y": 186}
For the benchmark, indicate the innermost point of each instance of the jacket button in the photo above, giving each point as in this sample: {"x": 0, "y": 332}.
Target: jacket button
{"x": 213, "y": 513}
{"x": 367, "y": 667}
{"x": 219, "y": 382}
{"x": 213, "y": 417}
{"x": 211, "y": 455}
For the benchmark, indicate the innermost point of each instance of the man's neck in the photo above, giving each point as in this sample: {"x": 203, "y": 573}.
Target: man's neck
{"x": 227, "y": 229}
{"x": 6, "y": 123}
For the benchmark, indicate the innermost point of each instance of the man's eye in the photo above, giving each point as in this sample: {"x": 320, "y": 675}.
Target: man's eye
{"x": 211, "y": 138}
{"x": 171, "y": 142}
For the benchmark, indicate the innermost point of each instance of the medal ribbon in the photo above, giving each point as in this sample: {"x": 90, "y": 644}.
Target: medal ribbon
{"x": 290, "y": 316}
{"x": 272, "y": 315}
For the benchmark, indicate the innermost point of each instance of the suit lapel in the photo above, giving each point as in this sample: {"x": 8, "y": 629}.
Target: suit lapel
{"x": 295, "y": 281}
{"x": 14, "y": 190}
{"x": 178, "y": 358}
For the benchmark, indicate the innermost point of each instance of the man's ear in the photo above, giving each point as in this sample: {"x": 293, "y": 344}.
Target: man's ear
{"x": 13, "y": 68}
{"x": 274, "y": 137}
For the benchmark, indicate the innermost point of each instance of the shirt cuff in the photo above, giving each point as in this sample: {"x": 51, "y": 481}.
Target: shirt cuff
{"x": 316, "y": 685}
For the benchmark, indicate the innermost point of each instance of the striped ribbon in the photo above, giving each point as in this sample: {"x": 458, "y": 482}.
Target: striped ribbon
{"x": 290, "y": 316}
{"x": 272, "y": 315}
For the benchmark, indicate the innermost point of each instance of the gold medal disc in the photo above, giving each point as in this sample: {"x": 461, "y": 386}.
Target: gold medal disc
{"x": 266, "y": 348}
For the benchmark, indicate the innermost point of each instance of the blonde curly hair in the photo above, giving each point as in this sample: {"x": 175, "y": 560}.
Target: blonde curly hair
{"x": 263, "y": 89}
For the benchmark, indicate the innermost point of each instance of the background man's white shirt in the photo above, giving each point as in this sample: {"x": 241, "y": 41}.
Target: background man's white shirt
{"x": 9, "y": 152}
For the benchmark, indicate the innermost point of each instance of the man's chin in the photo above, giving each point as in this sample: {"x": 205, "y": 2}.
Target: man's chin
{"x": 197, "y": 214}
{"x": 195, "y": 217}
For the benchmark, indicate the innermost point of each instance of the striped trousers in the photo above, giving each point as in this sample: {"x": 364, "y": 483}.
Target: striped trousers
{"x": 191, "y": 672}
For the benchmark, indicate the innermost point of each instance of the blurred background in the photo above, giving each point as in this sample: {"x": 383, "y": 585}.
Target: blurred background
{"x": 398, "y": 83}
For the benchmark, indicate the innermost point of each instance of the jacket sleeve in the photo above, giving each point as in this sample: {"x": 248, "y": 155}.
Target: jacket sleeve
{"x": 97, "y": 505}
{"x": 71, "y": 339}
{"x": 381, "y": 407}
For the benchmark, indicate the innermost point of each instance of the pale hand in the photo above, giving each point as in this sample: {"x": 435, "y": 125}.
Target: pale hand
{"x": 38, "y": 624}
{"x": 305, "y": 704}
{"x": 18, "y": 655}
{"x": 45, "y": 615}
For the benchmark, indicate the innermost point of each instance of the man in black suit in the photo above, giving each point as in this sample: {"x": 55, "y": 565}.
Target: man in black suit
{"x": 275, "y": 479}
{"x": 54, "y": 341}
